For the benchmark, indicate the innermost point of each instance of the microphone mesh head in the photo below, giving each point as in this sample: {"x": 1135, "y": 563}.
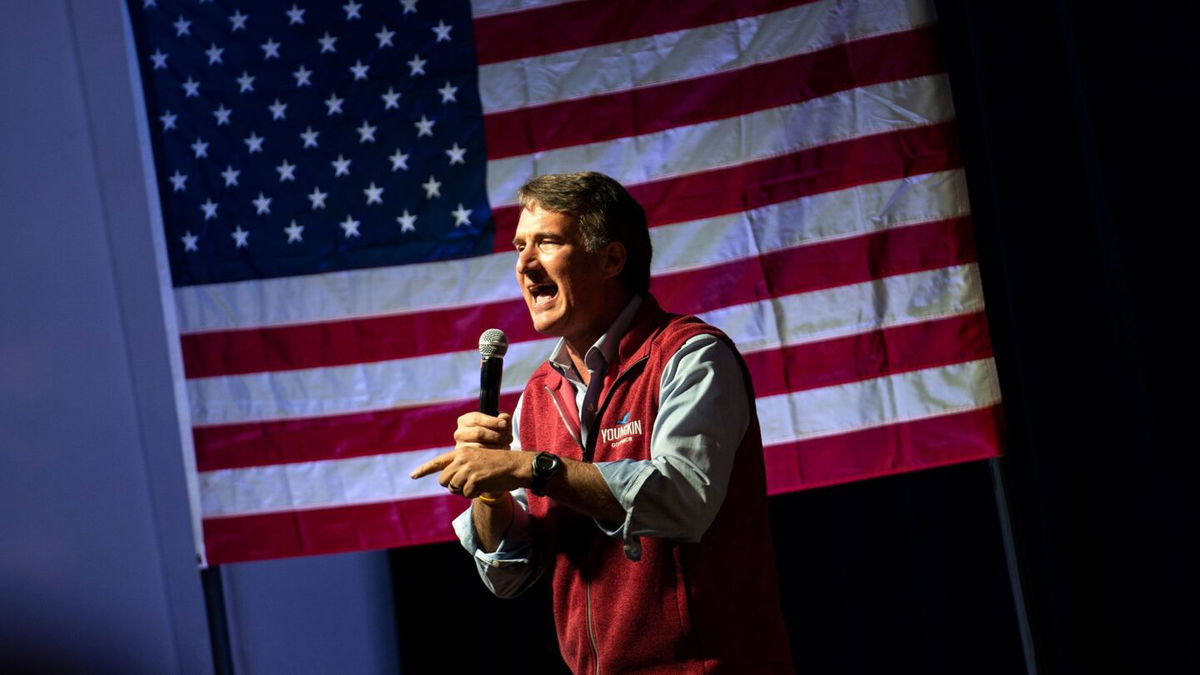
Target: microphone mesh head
{"x": 493, "y": 342}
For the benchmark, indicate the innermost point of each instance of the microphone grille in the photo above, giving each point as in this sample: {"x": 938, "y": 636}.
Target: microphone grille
{"x": 493, "y": 342}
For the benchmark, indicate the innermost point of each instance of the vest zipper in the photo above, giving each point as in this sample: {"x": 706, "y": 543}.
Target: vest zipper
{"x": 587, "y": 586}
{"x": 563, "y": 416}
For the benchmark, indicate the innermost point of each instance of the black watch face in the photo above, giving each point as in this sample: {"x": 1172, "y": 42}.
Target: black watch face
{"x": 546, "y": 462}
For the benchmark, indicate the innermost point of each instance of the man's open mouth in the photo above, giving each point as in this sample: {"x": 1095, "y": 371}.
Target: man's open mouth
{"x": 543, "y": 294}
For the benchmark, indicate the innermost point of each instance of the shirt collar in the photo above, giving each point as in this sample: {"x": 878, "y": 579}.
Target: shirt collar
{"x": 602, "y": 351}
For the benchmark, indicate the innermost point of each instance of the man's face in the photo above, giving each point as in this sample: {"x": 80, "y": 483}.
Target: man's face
{"x": 561, "y": 282}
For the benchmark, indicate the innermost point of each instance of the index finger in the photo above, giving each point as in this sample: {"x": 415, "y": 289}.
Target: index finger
{"x": 436, "y": 464}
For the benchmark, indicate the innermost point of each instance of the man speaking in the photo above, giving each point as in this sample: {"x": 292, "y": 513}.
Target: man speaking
{"x": 637, "y": 483}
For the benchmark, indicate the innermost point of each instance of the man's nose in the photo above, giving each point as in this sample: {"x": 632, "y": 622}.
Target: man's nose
{"x": 526, "y": 260}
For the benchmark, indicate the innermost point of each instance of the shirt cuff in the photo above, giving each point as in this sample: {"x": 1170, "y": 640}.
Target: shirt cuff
{"x": 625, "y": 478}
{"x": 515, "y": 549}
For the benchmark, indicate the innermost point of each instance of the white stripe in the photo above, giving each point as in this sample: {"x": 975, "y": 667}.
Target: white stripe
{"x": 312, "y": 485}
{"x": 854, "y": 113}
{"x": 453, "y": 376}
{"x": 904, "y": 397}
{"x": 414, "y": 288}
{"x": 317, "y": 392}
{"x": 839, "y": 312}
{"x": 481, "y": 8}
{"x": 695, "y": 52}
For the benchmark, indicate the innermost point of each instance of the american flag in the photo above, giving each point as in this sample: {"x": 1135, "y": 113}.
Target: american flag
{"x": 338, "y": 185}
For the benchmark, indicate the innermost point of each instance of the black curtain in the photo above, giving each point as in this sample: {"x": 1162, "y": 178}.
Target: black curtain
{"x": 1076, "y": 128}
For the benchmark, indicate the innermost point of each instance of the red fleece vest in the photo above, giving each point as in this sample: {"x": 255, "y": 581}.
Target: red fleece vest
{"x": 704, "y": 607}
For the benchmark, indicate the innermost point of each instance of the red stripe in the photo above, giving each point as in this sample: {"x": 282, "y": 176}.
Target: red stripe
{"x": 897, "y": 448}
{"x": 857, "y": 357}
{"x": 886, "y": 450}
{"x": 877, "y": 353}
{"x": 338, "y": 343}
{"x": 574, "y": 25}
{"x": 633, "y": 112}
{"x": 332, "y": 530}
{"x": 835, "y": 166}
{"x": 902, "y": 250}
{"x": 832, "y": 167}
{"x": 233, "y": 446}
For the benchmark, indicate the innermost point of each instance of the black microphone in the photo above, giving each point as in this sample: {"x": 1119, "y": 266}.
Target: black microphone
{"x": 493, "y": 345}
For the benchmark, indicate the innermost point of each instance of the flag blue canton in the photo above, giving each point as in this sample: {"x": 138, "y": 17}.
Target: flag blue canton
{"x": 295, "y": 138}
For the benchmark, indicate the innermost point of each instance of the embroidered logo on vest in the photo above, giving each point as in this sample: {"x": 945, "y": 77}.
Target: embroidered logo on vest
{"x": 623, "y": 432}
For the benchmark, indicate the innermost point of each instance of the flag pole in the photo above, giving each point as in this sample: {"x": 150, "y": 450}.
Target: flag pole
{"x": 218, "y": 626}
{"x": 1020, "y": 603}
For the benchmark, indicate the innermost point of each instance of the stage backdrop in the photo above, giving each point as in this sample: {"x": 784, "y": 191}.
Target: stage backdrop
{"x": 337, "y": 184}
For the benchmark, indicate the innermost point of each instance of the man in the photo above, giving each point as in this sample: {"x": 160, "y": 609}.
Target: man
{"x": 639, "y": 484}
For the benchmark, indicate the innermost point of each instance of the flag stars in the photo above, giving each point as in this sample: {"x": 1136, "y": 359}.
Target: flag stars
{"x": 230, "y": 175}
{"x": 182, "y": 27}
{"x": 399, "y": 160}
{"x": 351, "y": 9}
{"x": 189, "y": 241}
{"x": 270, "y": 49}
{"x": 245, "y": 82}
{"x": 178, "y": 181}
{"x": 302, "y": 77}
{"x": 416, "y": 65}
{"x": 317, "y": 198}
{"x": 448, "y": 92}
{"x": 341, "y": 166}
{"x": 222, "y": 114}
{"x": 191, "y": 88}
{"x": 286, "y": 171}
{"x": 334, "y": 104}
{"x": 374, "y": 194}
{"x": 238, "y": 20}
{"x": 200, "y": 148}
{"x": 424, "y": 127}
{"x": 409, "y": 6}
{"x": 168, "y": 120}
{"x": 456, "y": 155}
{"x": 254, "y": 143}
{"x": 240, "y": 237}
{"x": 366, "y": 133}
{"x": 461, "y": 216}
{"x": 407, "y": 221}
{"x": 349, "y": 226}
{"x": 278, "y": 110}
{"x": 359, "y": 70}
{"x": 210, "y": 209}
{"x": 442, "y": 31}
{"x": 327, "y": 43}
{"x": 294, "y": 232}
{"x": 310, "y": 137}
{"x": 433, "y": 188}
{"x": 159, "y": 59}
{"x": 295, "y": 16}
{"x": 385, "y": 37}
{"x": 214, "y": 53}
{"x": 262, "y": 205}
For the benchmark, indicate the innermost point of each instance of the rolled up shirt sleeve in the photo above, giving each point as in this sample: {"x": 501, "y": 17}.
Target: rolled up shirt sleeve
{"x": 704, "y": 411}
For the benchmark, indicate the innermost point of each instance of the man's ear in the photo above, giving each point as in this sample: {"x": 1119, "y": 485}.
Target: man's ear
{"x": 612, "y": 259}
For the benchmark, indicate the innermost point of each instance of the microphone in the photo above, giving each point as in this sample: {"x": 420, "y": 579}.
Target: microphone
{"x": 493, "y": 345}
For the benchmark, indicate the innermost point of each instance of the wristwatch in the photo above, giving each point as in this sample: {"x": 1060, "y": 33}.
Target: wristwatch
{"x": 545, "y": 465}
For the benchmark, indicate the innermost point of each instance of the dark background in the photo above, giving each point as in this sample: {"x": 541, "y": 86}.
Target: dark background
{"x": 1076, "y": 126}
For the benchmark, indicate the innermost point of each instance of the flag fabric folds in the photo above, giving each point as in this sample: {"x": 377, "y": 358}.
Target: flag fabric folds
{"x": 338, "y": 185}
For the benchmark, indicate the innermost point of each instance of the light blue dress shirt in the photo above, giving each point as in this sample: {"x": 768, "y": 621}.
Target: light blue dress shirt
{"x": 703, "y": 414}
